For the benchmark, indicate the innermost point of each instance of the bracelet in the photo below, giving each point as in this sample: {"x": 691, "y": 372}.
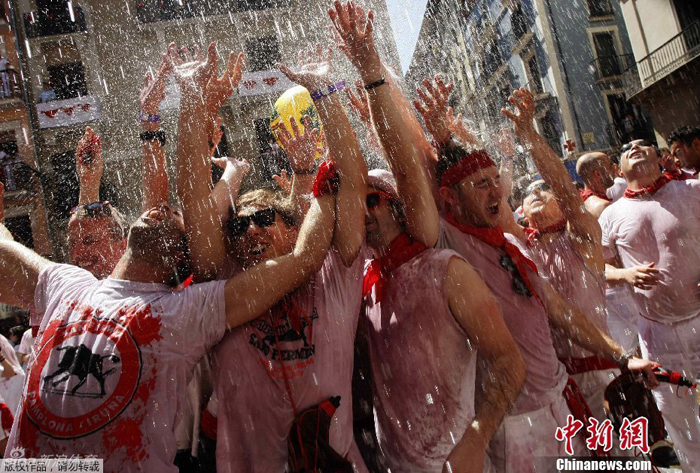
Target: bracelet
{"x": 148, "y": 118}
{"x": 331, "y": 89}
{"x": 153, "y": 135}
{"x": 375, "y": 84}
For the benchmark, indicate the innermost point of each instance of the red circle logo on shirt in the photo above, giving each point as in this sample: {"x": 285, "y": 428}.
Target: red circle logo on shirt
{"x": 93, "y": 364}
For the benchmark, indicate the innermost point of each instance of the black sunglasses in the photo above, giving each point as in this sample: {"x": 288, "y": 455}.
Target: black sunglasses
{"x": 373, "y": 198}
{"x": 94, "y": 209}
{"x": 519, "y": 285}
{"x": 262, "y": 218}
{"x": 539, "y": 186}
{"x": 629, "y": 145}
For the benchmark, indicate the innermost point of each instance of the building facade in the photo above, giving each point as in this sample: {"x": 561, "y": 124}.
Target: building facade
{"x": 86, "y": 60}
{"x": 665, "y": 37}
{"x": 570, "y": 55}
{"x": 25, "y": 212}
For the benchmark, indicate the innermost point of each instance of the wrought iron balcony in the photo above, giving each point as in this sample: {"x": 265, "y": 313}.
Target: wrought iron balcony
{"x": 678, "y": 51}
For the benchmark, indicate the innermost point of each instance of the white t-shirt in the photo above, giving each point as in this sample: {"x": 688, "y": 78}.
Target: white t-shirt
{"x": 26, "y": 345}
{"x": 113, "y": 359}
{"x": 615, "y": 191}
{"x": 664, "y": 229}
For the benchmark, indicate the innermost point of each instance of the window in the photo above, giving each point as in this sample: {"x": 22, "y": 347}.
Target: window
{"x": 598, "y": 8}
{"x": 54, "y": 17}
{"x": 606, "y": 55}
{"x": 535, "y": 78}
{"x": 518, "y": 22}
{"x": 68, "y": 80}
{"x": 262, "y": 53}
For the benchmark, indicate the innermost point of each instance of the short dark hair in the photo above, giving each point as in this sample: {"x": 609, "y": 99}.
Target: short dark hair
{"x": 118, "y": 229}
{"x": 449, "y": 155}
{"x": 684, "y": 134}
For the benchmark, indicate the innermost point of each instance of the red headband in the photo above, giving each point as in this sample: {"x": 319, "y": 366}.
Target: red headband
{"x": 466, "y": 166}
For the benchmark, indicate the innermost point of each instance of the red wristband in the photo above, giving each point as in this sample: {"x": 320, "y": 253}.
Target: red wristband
{"x": 327, "y": 181}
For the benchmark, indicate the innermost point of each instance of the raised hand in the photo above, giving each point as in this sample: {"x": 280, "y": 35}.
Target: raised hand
{"x": 88, "y": 158}
{"x": 301, "y": 148}
{"x": 434, "y": 108}
{"x": 314, "y": 68}
{"x": 153, "y": 91}
{"x": 358, "y": 102}
{"x": 192, "y": 70}
{"x": 505, "y": 143}
{"x": 458, "y": 126}
{"x": 232, "y": 166}
{"x": 522, "y": 120}
{"x": 355, "y": 38}
{"x": 219, "y": 89}
{"x": 282, "y": 180}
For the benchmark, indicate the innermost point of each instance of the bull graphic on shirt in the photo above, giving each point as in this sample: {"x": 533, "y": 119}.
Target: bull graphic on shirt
{"x": 80, "y": 361}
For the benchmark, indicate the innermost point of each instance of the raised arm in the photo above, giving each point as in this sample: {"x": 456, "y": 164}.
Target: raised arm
{"x": 478, "y": 312}
{"x": 580, "y": 330}
{"x": 256, "y": 290}
{"x": 314, "y": 74}
{"x": 199, "y": 85}
{"x": 155, "y": 176}
{"x": 301, "y": 149}
{"x": 89, "y": 166}
{"x": 412, "y": 184}
{"x": 20, "y": 268}
{"x": 582, "y": 225}
{"x": 227, "y": 189}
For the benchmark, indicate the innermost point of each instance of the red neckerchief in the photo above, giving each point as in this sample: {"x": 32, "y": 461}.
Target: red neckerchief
{"x": 664, "y": 179}
{"x": 534, "y": 234}
{"x": 495, "y": 237}
{"x": 586, "y": 194}
{"x": 327, "y": 181}
{"x": 401, "y": 250}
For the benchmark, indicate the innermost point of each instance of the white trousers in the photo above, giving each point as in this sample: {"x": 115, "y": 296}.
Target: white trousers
{"x": 677, "y": 347}
{"x": 522, "y": 442}
{"x": 623, "y": 317}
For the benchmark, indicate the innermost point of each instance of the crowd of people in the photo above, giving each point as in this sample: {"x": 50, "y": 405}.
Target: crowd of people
{"x": 222, "y": 332}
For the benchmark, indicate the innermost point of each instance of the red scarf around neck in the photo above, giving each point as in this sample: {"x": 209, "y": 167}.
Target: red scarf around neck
{"x": 533, "y": 234}
{"x": 401, "y": 250}
{"x": 495, "y": 237}
{"x": 588, "y": 193}
{"x": 664, "y": 179}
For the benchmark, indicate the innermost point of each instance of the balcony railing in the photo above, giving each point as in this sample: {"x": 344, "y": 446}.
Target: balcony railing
{"x": 610, "y": 67}
{"x": 150, "y": 11}
{"x": 676, "y": 52}
{"x": 52, "y": 22}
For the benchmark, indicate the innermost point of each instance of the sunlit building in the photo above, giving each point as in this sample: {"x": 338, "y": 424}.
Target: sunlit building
{"x": 571, "y": 55}
{"x": 665, "y": 37}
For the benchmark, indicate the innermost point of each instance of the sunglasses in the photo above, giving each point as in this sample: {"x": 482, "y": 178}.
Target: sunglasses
{"x": 373, "y": 198}
{"x": 262, "y": 218}
{"x": 540, "y": 186}
{"x": 519, "y": 285}
{"x": 94, "y": 209}
{"x": 629, "y": 145}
